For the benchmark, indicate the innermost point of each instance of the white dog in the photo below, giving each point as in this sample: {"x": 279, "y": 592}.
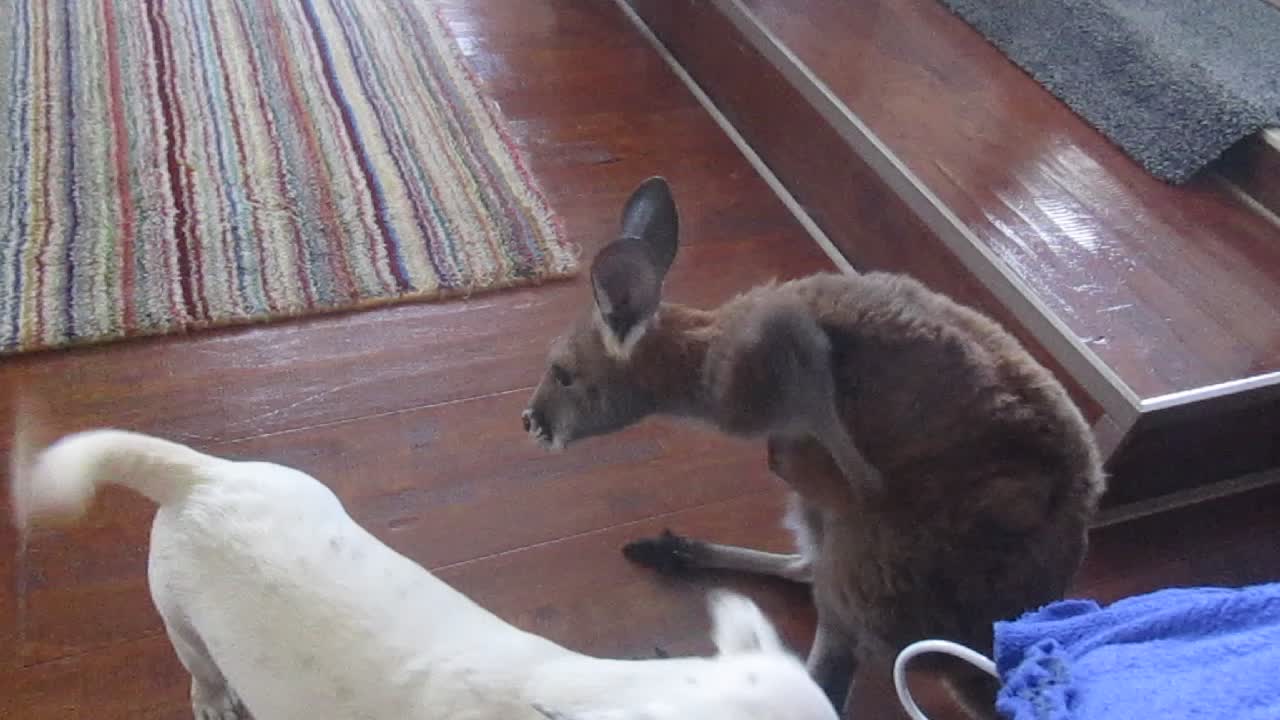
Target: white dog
{"x": 281, "y": 607}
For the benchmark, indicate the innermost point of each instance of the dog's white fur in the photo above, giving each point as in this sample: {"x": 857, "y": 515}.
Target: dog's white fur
{"x": 277, "y": 601}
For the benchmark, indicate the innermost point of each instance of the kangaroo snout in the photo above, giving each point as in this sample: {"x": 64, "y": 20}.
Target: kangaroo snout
{"x": 536, "y": 425}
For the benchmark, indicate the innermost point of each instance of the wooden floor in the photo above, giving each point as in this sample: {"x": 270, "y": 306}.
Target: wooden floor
{"x": 412, "y": 415}
{"x": 918, "y": 147}
{"x": 1124, "y": 260}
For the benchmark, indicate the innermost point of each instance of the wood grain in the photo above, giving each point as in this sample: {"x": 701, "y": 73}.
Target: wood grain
{"x": 1169, "y": 287}
{"x": 870, "y": 224}
{"x": 1174, "y": 288}
{"x": 410, "y": 414}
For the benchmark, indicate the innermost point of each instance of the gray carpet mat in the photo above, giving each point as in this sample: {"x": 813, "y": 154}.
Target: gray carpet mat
{"x": 1174, "y": 83}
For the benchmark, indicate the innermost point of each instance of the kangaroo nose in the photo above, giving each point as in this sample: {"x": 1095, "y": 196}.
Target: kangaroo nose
{"x": 527, "y": 418}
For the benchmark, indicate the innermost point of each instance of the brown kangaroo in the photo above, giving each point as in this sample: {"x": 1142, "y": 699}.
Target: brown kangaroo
{"x": 942, "y": 478}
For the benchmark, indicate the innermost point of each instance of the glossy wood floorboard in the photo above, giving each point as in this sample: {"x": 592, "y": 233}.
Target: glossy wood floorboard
{"x": 1035, "y": 189}
{"x": 1173, "y": 288}
{"x": 411, "y": 413}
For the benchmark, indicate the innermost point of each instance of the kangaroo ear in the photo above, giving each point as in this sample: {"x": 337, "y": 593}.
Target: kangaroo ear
{"x": 627, "y": 274}
{"x": 738, "y": 625}
{"x": 651, "y": 217}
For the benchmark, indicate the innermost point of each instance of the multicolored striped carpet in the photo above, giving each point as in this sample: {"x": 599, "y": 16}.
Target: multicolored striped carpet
{"x": 176, "y": 164}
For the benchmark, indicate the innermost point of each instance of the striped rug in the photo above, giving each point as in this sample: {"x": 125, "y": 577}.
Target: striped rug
{"x": 168, "y": 165}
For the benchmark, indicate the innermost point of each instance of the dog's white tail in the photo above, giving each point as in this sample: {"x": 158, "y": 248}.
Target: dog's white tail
{"x": 61, "y": 480}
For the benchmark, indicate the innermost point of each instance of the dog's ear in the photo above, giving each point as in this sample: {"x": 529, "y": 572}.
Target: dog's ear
{"x": 627, "y": 274}
{"x": 738, "y": 625}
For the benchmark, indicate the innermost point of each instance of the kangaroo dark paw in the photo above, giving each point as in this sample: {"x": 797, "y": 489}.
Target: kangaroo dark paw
{"x": 668, "y": 553}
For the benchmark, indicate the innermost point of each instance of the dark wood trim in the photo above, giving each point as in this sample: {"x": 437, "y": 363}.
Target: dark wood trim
{"x": 1172, "y": 454}
{"x": 1253, "y": 165}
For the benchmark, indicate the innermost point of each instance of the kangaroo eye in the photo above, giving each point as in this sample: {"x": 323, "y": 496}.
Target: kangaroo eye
{"x": 562, "y": 376}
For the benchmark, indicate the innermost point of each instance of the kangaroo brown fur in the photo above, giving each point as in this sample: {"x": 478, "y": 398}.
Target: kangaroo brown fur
{"x": 974, "y": 477}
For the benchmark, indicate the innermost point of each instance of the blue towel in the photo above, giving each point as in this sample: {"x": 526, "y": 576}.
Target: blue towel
{"x": 1202, "y": 653}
